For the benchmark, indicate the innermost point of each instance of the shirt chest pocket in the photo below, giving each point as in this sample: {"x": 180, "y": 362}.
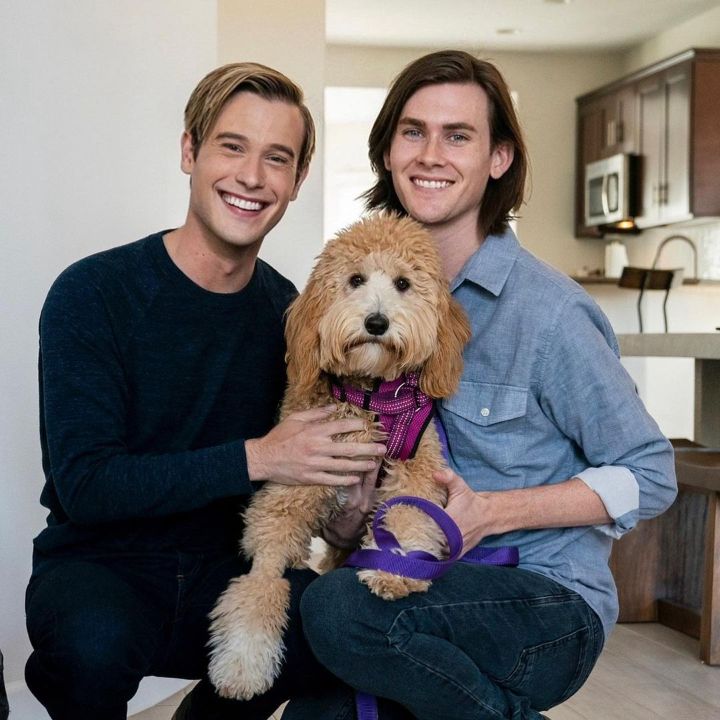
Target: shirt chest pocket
{"x": 487, "y": 404}
{"x": 486, "y": 422}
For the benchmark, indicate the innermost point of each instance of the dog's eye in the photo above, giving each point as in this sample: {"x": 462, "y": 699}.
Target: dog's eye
{"x": 357, "y": 281}
{"x": 402, "y": 284}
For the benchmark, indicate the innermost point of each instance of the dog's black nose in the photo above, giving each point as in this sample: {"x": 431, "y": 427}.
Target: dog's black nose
{"x": 376, "y": 324}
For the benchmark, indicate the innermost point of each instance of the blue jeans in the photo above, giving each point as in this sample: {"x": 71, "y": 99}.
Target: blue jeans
{"x": 483, "y": 643}
{"x": 99, "y": 624}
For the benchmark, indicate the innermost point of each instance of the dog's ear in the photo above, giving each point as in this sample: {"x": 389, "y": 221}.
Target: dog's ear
{"x": 303, "y": 339}
{"x": 442, "y": 372}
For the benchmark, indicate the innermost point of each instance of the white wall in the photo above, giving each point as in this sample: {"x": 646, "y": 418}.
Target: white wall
{"x": 701, "y": 31}
{"x": 289, "y": 36}
{"x": 92, "y": 98}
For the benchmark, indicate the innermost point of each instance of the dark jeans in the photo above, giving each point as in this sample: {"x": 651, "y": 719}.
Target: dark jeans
{"x": 483, "y": 643}
{"x": 99, "y": 624}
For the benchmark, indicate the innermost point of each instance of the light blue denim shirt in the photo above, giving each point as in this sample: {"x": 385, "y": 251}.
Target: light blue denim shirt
{"x": 544, "y": 398}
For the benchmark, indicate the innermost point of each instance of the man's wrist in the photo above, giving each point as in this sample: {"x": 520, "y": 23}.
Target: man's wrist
{"x": 255, "y": 460}
{"x": 500, "y": 508}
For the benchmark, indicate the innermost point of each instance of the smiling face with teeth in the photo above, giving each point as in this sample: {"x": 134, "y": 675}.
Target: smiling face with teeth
{"x": 441, "y": 158}
{"x": 243, "y": 176}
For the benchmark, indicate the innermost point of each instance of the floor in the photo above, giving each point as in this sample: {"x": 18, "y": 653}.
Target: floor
{"x": 646, "y": 672}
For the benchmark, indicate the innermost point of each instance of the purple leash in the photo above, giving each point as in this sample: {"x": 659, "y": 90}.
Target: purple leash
{"x": 418, "y": 564}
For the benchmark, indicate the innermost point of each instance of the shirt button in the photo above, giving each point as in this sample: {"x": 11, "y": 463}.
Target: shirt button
{"x": 485, "y": 412}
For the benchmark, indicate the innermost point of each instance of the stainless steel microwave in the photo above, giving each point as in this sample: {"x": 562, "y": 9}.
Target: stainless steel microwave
{"x": 611, "y": 190}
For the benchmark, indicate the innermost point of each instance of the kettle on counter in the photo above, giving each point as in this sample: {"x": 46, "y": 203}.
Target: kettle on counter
{"x": 616, "y": 258}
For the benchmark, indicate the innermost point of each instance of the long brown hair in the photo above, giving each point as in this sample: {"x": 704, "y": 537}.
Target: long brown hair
{"x": 503, "y": 196}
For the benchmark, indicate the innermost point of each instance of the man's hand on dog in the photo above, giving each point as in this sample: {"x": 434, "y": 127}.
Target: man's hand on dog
{"x": 345, "y": 530}
{"x": 300, "y": 451}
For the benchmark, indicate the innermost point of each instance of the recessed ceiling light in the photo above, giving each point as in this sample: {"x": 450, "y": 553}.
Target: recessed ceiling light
{"x": 507, "y": 31}
{"x": 559, "y": 2}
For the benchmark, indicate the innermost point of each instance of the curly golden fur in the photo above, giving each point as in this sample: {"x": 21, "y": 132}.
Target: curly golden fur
{"x": 381, "y": 265}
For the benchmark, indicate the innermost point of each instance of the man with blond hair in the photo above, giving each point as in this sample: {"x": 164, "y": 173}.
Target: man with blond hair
{"x": 161, "y": 372}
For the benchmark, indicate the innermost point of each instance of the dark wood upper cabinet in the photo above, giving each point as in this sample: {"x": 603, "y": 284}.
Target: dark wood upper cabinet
{"x": 669, "y": 115}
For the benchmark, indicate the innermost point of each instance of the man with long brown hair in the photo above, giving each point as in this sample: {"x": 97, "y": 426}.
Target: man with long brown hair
{"x": 550, "y": 449}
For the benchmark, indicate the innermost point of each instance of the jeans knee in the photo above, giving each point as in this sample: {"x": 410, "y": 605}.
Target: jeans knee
{"x": 91, "y": 661}
{"x": 335, "y": 614}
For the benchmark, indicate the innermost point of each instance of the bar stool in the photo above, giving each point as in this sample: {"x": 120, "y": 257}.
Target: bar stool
{"x": 698, "y": 472}
{"x": 667, "y": 570}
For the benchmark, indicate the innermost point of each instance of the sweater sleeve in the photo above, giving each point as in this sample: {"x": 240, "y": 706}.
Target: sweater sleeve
{"x": 85, "y": 402}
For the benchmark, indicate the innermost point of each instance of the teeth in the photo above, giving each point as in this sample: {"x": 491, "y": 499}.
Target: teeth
{"x": 242, "y": 204}
{"x": 432, "y": 184}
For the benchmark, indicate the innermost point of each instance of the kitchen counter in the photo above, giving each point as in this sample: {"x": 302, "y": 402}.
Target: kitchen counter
{"x": 683, "y": 592}
{"x": 705, "y": 349}
{"x": 602, "y": 280}
{"x": 704, "y": 346}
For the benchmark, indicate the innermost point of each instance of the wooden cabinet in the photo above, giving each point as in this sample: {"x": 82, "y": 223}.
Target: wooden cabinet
{"x": 669, "y": 115}
{"x": 606, "y": 126}
{"x": 664, "y": 146}
{"x": 618, "y": 117}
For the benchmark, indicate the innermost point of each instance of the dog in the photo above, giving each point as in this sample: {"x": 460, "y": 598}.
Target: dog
{"x": 376, "y": 308}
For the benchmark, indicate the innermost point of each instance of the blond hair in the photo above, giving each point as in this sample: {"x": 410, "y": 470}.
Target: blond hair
{"x": 213, "y": 92}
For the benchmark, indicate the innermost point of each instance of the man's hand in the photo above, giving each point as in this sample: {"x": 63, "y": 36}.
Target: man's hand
{"x": 346, "y": 530}
{"x": 300, "y": 451}
{"x": 478, "y": 514}
{"x": 469, "y": 509}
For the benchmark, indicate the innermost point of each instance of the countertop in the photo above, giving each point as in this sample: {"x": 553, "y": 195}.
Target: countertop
{"x": 602, "y": 280}
{"x": 705, "y": 346}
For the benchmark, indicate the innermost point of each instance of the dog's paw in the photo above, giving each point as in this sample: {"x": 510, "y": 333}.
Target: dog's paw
{"x": 389, "y": 586}
{"x": 242, "y": 664}
{"x": 233, "y": 686}
{"x": 246, "y": 637}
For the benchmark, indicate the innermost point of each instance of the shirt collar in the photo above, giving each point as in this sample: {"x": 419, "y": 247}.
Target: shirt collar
{"x": 490, "y": 265}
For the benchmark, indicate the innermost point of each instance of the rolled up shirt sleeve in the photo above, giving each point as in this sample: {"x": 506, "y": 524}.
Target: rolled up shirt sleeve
{"x": 591, "y": 397}
{"x": 618, "y": 489}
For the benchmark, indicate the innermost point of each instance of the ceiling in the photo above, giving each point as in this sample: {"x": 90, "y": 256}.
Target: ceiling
{"x": 478, "y": 24}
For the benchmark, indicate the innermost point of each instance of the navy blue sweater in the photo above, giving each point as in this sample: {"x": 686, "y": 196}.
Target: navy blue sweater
{"x": 149, "y": 386}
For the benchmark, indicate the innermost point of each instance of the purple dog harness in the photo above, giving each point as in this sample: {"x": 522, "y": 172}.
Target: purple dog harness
{"x": 405, "y": 411}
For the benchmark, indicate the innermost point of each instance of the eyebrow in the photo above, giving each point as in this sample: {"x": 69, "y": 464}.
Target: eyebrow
{"x": 446, "y": 126}
{"x": 243, "y": 138}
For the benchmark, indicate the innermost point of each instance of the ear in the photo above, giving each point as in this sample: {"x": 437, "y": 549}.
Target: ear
{"x": 303, "y": 340}
{"x": 442, "y": 372}
{"x": 502, "y": 157}
{"x": 187, "y": 153}
{"x": 386, "y": 160}
{"x": 299, "y": 182}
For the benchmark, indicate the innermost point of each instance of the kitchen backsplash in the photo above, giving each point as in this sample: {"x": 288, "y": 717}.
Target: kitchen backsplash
{"x": 705, "y": 236}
